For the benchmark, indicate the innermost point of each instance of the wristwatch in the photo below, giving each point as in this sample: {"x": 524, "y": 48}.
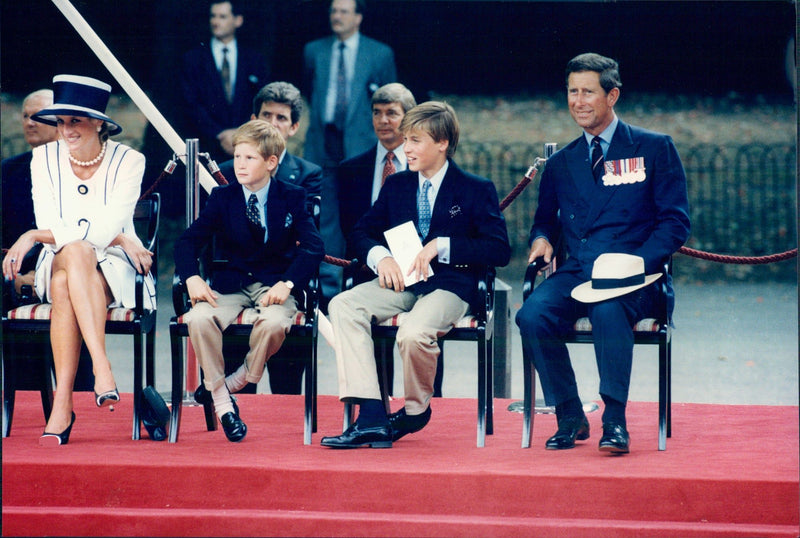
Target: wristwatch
{"x": 289, "y": 284}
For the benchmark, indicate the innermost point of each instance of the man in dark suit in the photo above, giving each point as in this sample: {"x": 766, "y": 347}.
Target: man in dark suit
{"x": 219, "y": 81}
{"x": 362, "y": 176}
{"x": 340, "y": 73}
{"x": 281, "y": 104}
{"x": 615, "y": 189}
{"x": 263, "y": 229}
{"x": 457, "y": 217}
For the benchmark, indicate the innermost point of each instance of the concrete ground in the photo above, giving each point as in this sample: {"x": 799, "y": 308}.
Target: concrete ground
{"x": 733, "y": 343}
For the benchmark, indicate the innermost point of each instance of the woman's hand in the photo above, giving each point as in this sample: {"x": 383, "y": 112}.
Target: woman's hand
{"x": 13, "y": 259}
{"x": 141, "y": 258}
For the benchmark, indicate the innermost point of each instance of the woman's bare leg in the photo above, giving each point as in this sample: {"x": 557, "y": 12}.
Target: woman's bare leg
{"x": 80, "y": 296}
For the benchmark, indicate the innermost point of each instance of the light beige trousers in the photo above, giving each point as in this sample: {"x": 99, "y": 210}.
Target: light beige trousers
{"x": 429, "y": 316}
{"x": 207, "y": 323}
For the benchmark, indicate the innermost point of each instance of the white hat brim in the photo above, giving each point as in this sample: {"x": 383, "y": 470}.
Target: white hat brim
{"x": 586, "y": 294}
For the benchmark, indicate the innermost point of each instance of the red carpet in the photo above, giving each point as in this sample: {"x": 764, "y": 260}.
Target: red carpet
{"x": 727, "y": 471}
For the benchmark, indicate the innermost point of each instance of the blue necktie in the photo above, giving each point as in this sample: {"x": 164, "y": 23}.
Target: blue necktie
{"x": 340, "y": 110}
{"x": 424, "y": 209}
{"x": 597, "y": 159}
{"x": 253, "y": 214}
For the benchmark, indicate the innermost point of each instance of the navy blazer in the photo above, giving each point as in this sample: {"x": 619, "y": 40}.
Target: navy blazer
{"x": 354, "y": 179}
{"x": 466, "y": 210}
{"x": 292, "y": 170}
{"x": 206, "y": 111}
{"x": 649, "y": 218}
{"x": 293, "y": 249}
{"x": 374, "y": 67}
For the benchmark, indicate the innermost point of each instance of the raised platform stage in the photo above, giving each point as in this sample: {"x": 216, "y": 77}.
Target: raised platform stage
{"x": 728, "y": 471}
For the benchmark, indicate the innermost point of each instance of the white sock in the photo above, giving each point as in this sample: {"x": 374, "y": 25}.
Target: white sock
{"x": 222, "y": 400}
{"x": 237, "y": 380}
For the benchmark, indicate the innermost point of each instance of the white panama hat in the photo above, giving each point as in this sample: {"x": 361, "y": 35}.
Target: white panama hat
{"x": 75, "y": 95}
{"x": 613, "y": 275}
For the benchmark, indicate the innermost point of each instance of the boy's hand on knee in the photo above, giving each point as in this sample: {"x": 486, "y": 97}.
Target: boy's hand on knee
{"x": 199, "y": 291}
{"x": 277, "y": 294}
{"x": 390, "y": 275}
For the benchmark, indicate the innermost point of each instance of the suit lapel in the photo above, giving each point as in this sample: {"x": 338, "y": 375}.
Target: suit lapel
{"x": 288, "y": 170}
{"x": 445, "y": 198}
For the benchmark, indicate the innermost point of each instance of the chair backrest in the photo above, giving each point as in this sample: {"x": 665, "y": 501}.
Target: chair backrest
{"x": 146, "y": 219}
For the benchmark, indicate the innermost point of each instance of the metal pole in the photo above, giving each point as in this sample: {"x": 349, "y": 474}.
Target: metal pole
{"x": 192, "y": 212}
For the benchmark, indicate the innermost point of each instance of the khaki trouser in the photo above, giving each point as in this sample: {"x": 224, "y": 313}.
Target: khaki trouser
{"x": 207, "y": 323}
{"x": 429, "y": 316}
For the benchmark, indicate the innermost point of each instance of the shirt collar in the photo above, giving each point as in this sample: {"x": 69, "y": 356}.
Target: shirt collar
{"x": 399, "y": 154}
{"x": 605, "y": 136}
{"x": 436, "y": 180}
{"x": 351, "y": 43}
{"x": 261, "y": 194}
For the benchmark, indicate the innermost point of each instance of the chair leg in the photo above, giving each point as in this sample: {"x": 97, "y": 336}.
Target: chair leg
{"x": 482, "y": 404}
{"x": 176, "y": 344}
{"x": 137, "y": 382}
{"x": 384, "y": 356}
{"x": 529, "y": 396}
{"x": 669, "y": 387}
{"x": 9, "y": 390}
{"x": 489, "y": 345}
{"x": 150, "y": 357}
{"x": 663, "y": 388}
{"x": 347, "y": 418}
{"x": 309, "y": 422}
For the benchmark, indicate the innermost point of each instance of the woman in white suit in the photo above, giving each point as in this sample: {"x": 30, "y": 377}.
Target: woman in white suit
{"x": 85, "y": 189}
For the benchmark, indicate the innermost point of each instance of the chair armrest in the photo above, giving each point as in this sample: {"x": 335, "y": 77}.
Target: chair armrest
{"x": 486, "y": 292}
{"x": 532, "y": 272}
{"x": 356, "y": 273}
{"x": 180, "y": 297}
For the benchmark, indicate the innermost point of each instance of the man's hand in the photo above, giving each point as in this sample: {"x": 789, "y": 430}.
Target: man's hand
{"x": 226, "y": 140}
{"x": 422, "y": 263}
{"x": 541, "y": 247}
{"x": 199, "y": 291}
{"x": 390, "y": 275}
{"x": 277, "y": 294}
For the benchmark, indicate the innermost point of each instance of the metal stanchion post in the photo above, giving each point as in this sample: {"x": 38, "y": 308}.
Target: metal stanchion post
{"x": 192, "y": 377}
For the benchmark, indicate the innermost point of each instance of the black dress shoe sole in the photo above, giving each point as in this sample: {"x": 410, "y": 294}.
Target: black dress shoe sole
{"x": 369, "y": 444}
{"x": 613, "y": 449}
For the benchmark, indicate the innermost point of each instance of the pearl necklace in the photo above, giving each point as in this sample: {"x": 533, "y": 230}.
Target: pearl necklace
{"x": 93, "y": 162}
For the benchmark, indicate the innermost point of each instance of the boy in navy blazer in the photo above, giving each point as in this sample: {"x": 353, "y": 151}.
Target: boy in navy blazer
{"x": 264, "y": 263}
{"x": 615, "y": 189}
{"x": 458, "y": 220}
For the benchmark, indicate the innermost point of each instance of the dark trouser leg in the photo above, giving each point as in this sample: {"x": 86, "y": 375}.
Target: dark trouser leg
{"x": 544, "y": 317}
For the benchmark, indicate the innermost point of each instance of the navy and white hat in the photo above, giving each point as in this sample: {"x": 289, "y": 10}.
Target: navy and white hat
{"x": 74, "y": 95}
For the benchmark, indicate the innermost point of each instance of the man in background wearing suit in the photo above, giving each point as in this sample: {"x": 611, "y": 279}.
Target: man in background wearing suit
{"x": 615, "y": 189}
{"x": 281, "y": 104}
{"x": 340, "y": 73}
{"x": 263, "y": 229}
{"x": 362, "y": 176}
{"x": 219, "y": 81}
{"x": 457, "y": 217}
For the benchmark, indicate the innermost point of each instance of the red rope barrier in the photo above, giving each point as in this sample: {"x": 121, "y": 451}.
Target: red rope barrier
{"x": 515, "y": 192}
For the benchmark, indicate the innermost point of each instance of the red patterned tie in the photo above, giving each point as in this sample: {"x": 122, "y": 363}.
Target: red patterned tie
{"x": 388, "y": 167}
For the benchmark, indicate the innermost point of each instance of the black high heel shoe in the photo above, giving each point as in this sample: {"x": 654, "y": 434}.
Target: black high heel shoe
{"x": 108, "y": 397}
{"x": 57, "y": 439}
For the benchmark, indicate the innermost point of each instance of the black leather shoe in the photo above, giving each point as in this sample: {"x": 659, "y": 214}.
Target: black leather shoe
{"x": 403, "y": 424}
{"x": 235, "y": 429}
{"x": 570, "y": 429}
{"x": 615, "y": 439}
{"x": 356, "y": 436}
